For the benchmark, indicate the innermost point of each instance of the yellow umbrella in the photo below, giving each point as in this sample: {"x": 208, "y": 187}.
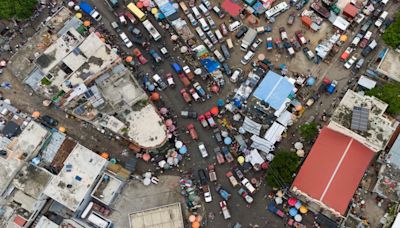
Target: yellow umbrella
{"x": 154, "y": 10}
{"x": 343, "y": 38}
{"x": 86, "y": 23}
{"x": 36, "y": 114}
{"x": 78, "y": 15}
{"x": 240, "y": 159}
{"x": 61, "y": 129}
{"x": 303, "y": 209}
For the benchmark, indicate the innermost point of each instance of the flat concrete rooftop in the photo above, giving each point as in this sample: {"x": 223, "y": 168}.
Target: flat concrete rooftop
{"x": 389, "y": 65}
{"x": 168, "y": 216}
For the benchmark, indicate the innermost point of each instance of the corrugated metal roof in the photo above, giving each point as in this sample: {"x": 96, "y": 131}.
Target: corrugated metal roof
{"x": 394, "y": 153}
{"x": 53, "y": 146}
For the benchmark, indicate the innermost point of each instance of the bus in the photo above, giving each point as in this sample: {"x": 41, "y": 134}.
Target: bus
{"x": 151, "y": 29}
{"x": 136, "y": 11}
{"x": 276, "y": 10}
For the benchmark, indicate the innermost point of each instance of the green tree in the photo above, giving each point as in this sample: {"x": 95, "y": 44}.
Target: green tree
{"x": 281, "y": 169}
{"x": 19, "y": 9}
{"x": 309, "y": 131}
{"x": 392, "y": 33}
{"x": 389, "y": 93}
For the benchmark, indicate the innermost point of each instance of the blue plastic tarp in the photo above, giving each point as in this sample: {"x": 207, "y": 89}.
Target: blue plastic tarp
{"x": 210, "y": 64}
{"x": 167, "y": 9}
{"x": 274, "y": 89}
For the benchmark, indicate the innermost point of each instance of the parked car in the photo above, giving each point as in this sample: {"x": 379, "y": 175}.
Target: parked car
{"x": 357, "y": 39}
{"x": 207, "y": 193}
{"x": 278, "y": 43}
{"x": 211, "y": 172}
{"x": 236, "y": 75}
{"x": 269, "y": 43}
{"x": 210, "y": 119}
{"x": 189, "y": 114}
{"x": 185, "y": 81}
{"x": 199, "y": 89}
{"x": 364, "y": 28}
{"x": 211, "y": 22}
{"x": 365, "y": 39}
{"x": 202, "y": 176}
{"x": 207, "y": 4}
{"x": 242, "y": 192}
{"x": 218, "y": 12}
{"x": 299, "y": 35}
{"x": 371, "y": 46}
{"x": 139, "y": 55}
{"x": 203, "y": 120}
{"x": 283, "y": 33}
{"x": 225, "y": 210}
{"x": 232, "y": 179}
{"x": 248, "y": 185}
{"x": 160, "y": 83}
{"x": 130, "y": 17}
{"x": 189, "y": 74}
{"x": 48, "y": 121}
{"x": 247, "y": 57}
{"x": 126, "y": 40}
{"x": 192, "y": 131}
{"x": 217, "y": 135}
{"x": 170, "y": 80}
{"x": 385, "y": 25}
{"x": 295, "y": 43}
{"x": 227, "y": 69}
{"x": 241, "y": 32}
{"x": 255, "y": 44}
{"x": 223, "y": 29}
{"x": 157, "y": 58}
{"x": 350, "y": 62}
{"x": 202, "y": 149}
{"x": 186, "y": 96}
{"x": 238, "y": 172}
{"x": 212, "y": 37}
{"x": 194, "y": 94}
{"x": 192, "y": 20}
{"x": 346, "y": 54}
{"x": 291, "y": 18}
{"x": 219, "y": 156}
{"x": 308, "y": 53}
{"x": 228, "y": 156}
{"x": 360, "y": 63}
{"x": 222, "y": 192}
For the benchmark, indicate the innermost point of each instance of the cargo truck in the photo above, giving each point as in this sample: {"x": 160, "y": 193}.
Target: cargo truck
{"x": 88, "y": 9}
{"x": 248, "y": 39}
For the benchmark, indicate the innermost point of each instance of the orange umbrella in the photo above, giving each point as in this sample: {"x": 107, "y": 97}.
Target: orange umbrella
{"x": 146, "y": 157}
{"x": 86, "y": 23}
{"x": 214, "y": 110}
{"x": 36, "y": 114}
{"x": 129, "y": 59}
{"x": 61, "y": 129}
{"x": 155, "y": 96}
{"x": 195, "y": 225}
{"x": 105, "y": 155}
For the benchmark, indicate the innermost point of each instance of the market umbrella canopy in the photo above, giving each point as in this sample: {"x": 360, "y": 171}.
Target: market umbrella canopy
{"x": 298, "y": 204}
{"x": 242, "y": 130}
{"x": 183, "y": 150}
{"x": 76, "y": 8}
{"x": 292, "y": 201}
{"x": 171, "y": 128}
{"x": 151, "y": 87}
{"x": 129, "y": 59}
{"x": 61, "y": 129}
{"x": 36, "y": 114}
{"x": 236, "y": 117}
{"x": 278, "y": 200}
{"x": 199, "y": 218}
{"x": 298, "y": 218}
{"x": 215, "y": 89}
{"x": 293, "y": 211}
{"x": 279, "y": 193}
{"x": 139, "y": 5}
{"x": 163, "y": 110}
{"x": 310, "y": 81}
{"x": 162, "y": 163}
{"x": 146, "y": 181}
{"x": 178, "y": 144}
{"x": 146, "y": 157}
{"x": 78, "y": 15}
{"x": 105, "y": 155}
{"x": 196, "y": 225}
{"x": 240, "y": 159}
{"x": 303, "y": 209}
{"x": 86, "y": 23}
{"x": 155, "y": 96}
{"x": 220, "y": 102}
{"x": 192, "y": 218}
{"x": 298, "y": 145}
{"x": 270, "y": 156}
{"x": 154, "y": 11}
{"x": 214, "y": 110}
{"x": 197, "y": 71}
{"x": 184, "y": 49}
{"x": 300, "y": 153}
{"x": 228, "y": 141}
{"x": 168, "y": 122}
{"x": 261, "y": 57}
{"x": 71, "y": 4}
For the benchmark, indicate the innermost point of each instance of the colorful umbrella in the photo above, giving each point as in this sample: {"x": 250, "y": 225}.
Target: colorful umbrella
{"x": 278, "y": 200}
{"x": 199, "y": 218}
{"x": 154, "y": 11}
{"x": 298, "y": 145}
{"x": 61, "y": 129}
{"x": 86, "y": 23}
{"x": 237, "y": 102}
{"x": 36, "y": 114}
{"x": 139, "y": 5}
{"x": 183, "y": 150}
{"x": 146, "y": 3}
{"x": 292, "y": 201}
{"x": 192, "y": 218}
{"x": 76, "y": 8}
{"x": 220, "y": 102}
{"x": 163, "y": 110}
{"x": 155, "y": 96}
{"x": 214, "y": 110}
{"x": 215, "y": 89}
{"x": 105, "y": 155}
{"x": 300, "y": 153}
{"x": 178, "y": 144}
{"x": 196, "y": 225}
{"x": 298, "y": 218}
{"x": 78, "y": 15}
{"x": 151, "y": 88}
{"x": 297, "y": 205}
{"x": 240, "y": 159}
{"x": 261, "y": 57}
{"x": 128, "y": 59}
{"x": 264, "y": 165}
{"x": 293, "y": 212}
{"x": 228, "y": 141}
{"x": 146, "y": 157}
{"x": 169, "y": 122}
{"x": 303, "y": 209}
{"x": 171, "y": 128}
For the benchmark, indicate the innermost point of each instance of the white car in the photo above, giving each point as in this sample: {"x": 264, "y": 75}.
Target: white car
{"x": 207, "y": 197}
{"x": 246, "y": 58}
{"x": 203, "y": 150}
{"x": 350, "y": 62}
{"x": 126, "y": 40}
{"x": 248, "y": 185}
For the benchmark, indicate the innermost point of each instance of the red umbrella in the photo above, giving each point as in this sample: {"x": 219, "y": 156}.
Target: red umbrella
{"x": 155, "y": 96}
{"x": 168, "y": 122}
{"x": 214, "y": 110}
{"x": 215, "y": 89}
{"x": 139, "y": 5}
{"x": 146, "y": 157}
{"x": 292, "y": 201}
{"x": 264, "y": 165}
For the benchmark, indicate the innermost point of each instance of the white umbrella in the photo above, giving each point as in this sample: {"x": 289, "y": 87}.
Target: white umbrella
{"x": 184, "y": 49}
{"x": 174, "y": 37}
{"x": 146, "y": 181}
{"x": 178, "y": 144}
{"x": 270, "y": 156}
{"x": 298, "y": 145}
{"x": 170, "y": 160}
{"x": 71, "y": 4}
{"x": 242, "y": 130}
{"x": 278, "y": 200}
{"x": 147, "y": 175}
{"x": 224, "y": 134}
{"x": 197, "y": 71}
{"x": 76, "y": 8}
{"x": 298, "y": 218}
{"x": 300, "y": 153}
{"x": 162, "y": 163}
{"x": 237, "y": 117}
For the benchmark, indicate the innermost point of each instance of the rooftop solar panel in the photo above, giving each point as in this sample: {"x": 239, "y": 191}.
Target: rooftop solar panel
{"x": 359, "y": 119}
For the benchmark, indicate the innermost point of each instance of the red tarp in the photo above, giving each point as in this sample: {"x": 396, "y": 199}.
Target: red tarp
{"x": 232, "y": 8}
{"x": 306, "y": 21}
{"x": 350, "y": 10}
{"x": 333, "y": 169}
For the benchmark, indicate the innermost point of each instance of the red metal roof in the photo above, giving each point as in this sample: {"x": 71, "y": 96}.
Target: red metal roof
{"x": 18, "y": 220}
{"x": 232, "y": 8}
{"x": 350, "y": 10}
{"x": 333, "y": 169}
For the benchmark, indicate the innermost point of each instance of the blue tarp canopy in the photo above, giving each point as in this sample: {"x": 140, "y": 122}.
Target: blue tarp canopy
{"x": 274, "y": 89}
{"x": 210, "y": 64}
{"x": 167, "y": 9}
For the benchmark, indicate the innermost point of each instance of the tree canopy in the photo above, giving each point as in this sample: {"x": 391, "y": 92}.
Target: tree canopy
{"x": 18, "y": 9}
{"x": 389, "y": 93}
{"x": 309, "y": 131}
{"x": 392, "y": 33}
{"x": 281, "y": 169}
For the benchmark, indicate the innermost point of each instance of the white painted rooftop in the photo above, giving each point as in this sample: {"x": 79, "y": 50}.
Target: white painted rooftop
{"x": 66, "y": 188}
{"x": 168, "y": 216}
